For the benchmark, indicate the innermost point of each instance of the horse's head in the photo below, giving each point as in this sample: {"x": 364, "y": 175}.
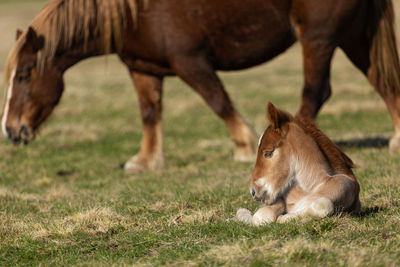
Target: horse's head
{"x": 32, "y": 93}
{"x": 272, "y": 170}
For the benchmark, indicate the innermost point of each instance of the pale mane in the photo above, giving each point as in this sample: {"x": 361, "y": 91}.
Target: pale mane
{"x": 337, "y": 159}
{"x": 66, "y": 22}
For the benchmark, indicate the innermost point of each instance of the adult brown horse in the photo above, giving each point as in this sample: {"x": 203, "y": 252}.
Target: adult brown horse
{"x": 192, "y": 39}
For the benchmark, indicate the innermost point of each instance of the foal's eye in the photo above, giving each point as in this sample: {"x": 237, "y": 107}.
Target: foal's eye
{"x": 268, "y": 154}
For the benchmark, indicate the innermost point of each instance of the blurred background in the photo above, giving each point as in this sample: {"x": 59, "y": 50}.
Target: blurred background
{"x": 102, "y": 85}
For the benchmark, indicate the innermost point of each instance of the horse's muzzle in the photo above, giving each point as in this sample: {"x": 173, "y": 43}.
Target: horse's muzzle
{"x": 23, "y": 134}
{"x": 258, "y": 197}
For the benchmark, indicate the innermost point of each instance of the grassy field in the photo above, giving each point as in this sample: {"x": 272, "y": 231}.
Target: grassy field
{"x": 64, "y": 199}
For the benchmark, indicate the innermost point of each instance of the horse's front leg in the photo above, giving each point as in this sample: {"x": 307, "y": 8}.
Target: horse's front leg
{"x": 150, "y": 156}
{"x": 264, "y": 215}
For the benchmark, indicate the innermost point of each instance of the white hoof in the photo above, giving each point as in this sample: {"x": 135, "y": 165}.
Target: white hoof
{"x": 244, "y": 155}
{"x": 244, "y": 215}
{"x": 322, "y": 207}
{"x": 246, "y": 152}
{"x": 263, "y": 216}
{"x": 138, "y": 164}
{"x": 286, "y": 218}
{"x": 394, "y": 144}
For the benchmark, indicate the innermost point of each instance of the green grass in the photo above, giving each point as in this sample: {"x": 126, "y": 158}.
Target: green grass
{"x": 64, "y": 200}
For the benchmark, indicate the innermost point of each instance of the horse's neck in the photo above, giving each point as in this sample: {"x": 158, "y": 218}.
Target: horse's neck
{"x": 308, "y": 166}
{"x": 66, "y": 55}
{"x": 66, "y": 58}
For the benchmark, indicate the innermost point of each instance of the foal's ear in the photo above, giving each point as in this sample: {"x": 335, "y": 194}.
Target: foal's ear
{"x": 33, "y": 41}
{"x": 276, "y": 117}
{"x": 18, "y": 34}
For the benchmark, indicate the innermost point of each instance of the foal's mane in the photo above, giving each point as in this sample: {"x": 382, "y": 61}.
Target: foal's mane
{"x": 337, "y": 159}
{"x": 65, "y": 22}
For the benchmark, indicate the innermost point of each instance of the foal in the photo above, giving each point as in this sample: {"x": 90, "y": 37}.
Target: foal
{"x": 299, "y": 171}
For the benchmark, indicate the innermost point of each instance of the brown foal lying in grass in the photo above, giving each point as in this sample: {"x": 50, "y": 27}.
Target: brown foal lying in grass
{"x": 299, "y": 171}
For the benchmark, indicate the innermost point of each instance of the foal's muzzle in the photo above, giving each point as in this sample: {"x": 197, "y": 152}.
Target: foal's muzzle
{"x": 258, "y": 196}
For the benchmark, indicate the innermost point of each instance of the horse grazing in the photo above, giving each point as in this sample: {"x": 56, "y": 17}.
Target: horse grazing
{"x": 192, "y": 39}
{"x": 299, "y": 171}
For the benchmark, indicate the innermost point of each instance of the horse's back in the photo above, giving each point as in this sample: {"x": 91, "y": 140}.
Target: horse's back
{"x": 232, "y": 34}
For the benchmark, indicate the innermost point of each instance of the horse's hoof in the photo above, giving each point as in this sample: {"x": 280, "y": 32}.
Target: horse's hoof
{"x": 261, "y": 219}
{"x": 138, "y": 164}
{"x": 247, "y": 147}
{"x": 394, "y": 144}
{"x": 244, "y": 155}
{"x": 244, "y": 215}
{"x": 286, "y": 218}
{"x": 322, "y": 207}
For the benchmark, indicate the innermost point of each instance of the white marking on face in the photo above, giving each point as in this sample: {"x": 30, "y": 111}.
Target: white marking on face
{"x": 261, "y": 182}
{"x": 259, "y": 140}
{"x": 7, "y": 106}
{"x": 267, "y": 188}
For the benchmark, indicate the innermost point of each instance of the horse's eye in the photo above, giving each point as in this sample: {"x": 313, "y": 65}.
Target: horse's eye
{"x": 268, "y": 154}
{"x": 24, "y": 78}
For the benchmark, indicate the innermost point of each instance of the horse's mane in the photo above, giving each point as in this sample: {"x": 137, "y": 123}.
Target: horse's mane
{"x": 65, "y": 22}
{"x": 337, "y": 159}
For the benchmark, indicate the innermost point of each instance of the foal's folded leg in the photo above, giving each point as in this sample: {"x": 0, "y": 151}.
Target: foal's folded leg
{"x": 311, "y": 206}
{"x": 244, "y": 215}
{"x": 268, "y": 214}
{"x": 320, "y": 208}
{"x": 264, "y": 215}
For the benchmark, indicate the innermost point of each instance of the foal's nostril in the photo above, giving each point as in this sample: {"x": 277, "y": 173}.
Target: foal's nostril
{"x": 253, "y": 192}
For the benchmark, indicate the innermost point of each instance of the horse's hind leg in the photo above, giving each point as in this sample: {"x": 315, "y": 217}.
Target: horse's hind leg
{"x": 358, "y": 52}
{"x": 199, "y": 74}
{"x": 150, "y": 157}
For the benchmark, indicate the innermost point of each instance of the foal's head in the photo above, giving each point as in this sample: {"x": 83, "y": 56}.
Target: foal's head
{"x": 293, "y": 150}
{"x": 272, "y": 170}
{"x": 31, "y": 94}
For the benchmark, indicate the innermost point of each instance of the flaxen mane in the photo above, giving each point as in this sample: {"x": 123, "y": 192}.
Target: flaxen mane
{"x": 338, "y": 160}
{"x": 66, "y": 22}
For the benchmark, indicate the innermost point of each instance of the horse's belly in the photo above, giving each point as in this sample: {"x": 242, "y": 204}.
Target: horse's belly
{"x": 248, "y": 33}
{"x": 240, "y": 55}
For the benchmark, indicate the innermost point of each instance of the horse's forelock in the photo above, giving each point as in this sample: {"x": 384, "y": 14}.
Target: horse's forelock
{"x": 12, "y": 60}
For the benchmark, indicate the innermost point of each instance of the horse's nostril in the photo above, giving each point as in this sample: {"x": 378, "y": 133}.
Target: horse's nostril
{"x": 253, "y": 192}
{"x": 9, "y": 132}
{"x": 24, "y": 130}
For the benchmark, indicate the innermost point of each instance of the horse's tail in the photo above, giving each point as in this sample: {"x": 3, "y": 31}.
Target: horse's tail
{"x": 383, "y": 52}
